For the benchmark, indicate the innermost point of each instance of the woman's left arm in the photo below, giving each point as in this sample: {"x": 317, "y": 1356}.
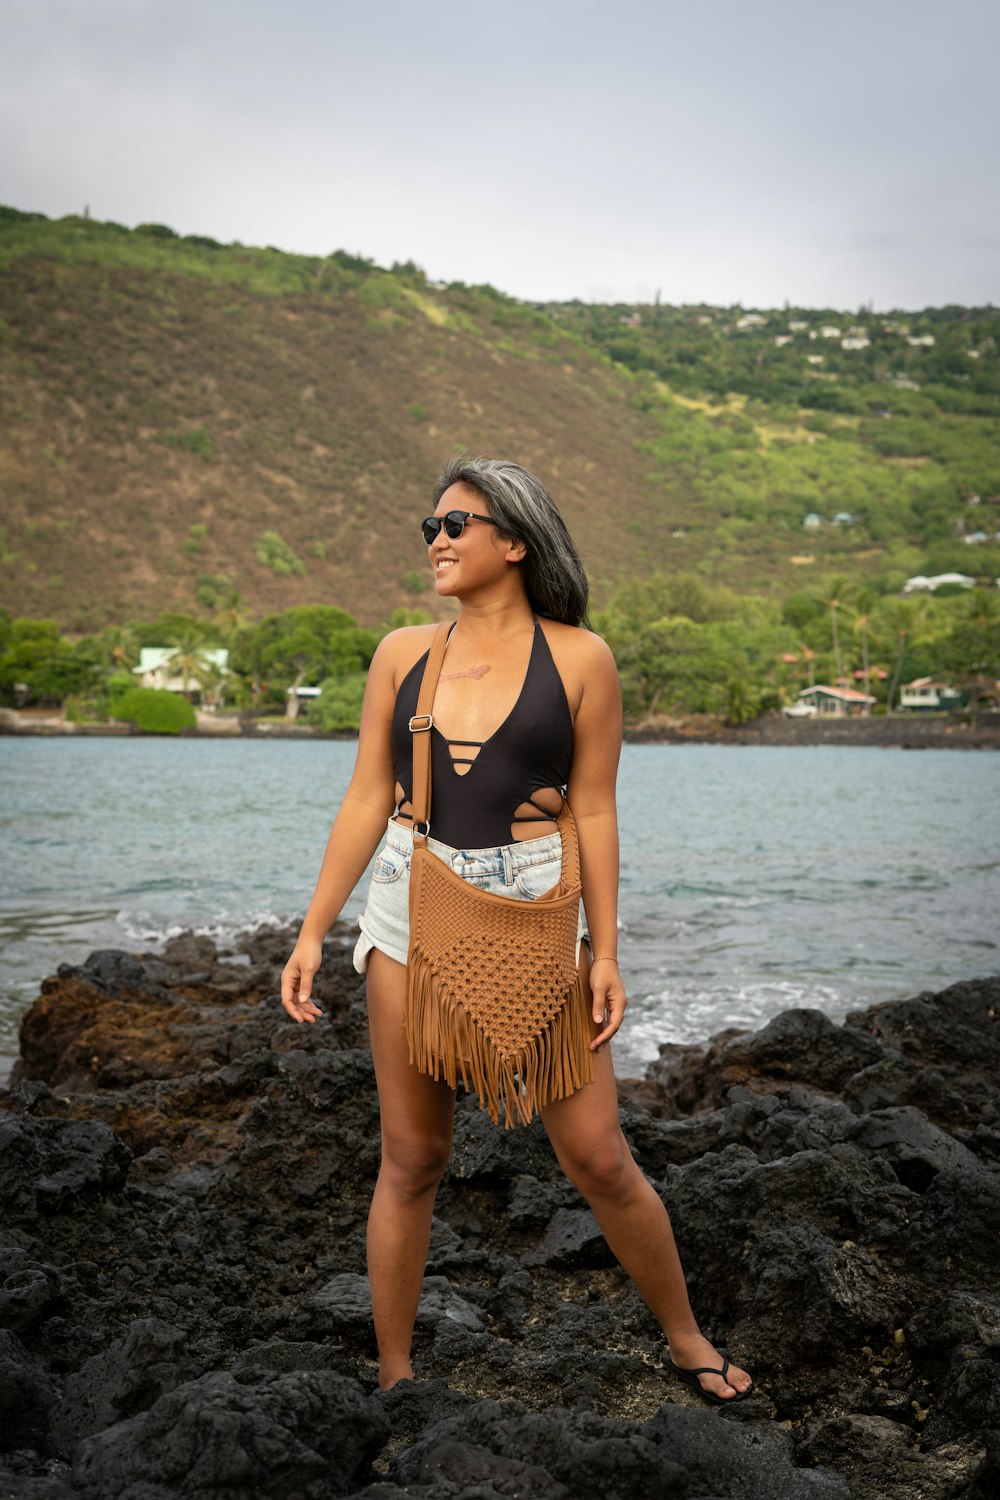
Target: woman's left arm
{"x": 597, "y": 740}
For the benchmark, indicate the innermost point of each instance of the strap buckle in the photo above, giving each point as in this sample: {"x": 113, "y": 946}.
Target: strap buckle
{"x": 416, "y": 728}
{"x": 421, "y": 830}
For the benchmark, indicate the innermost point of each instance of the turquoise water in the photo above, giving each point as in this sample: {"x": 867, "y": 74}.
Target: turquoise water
{"x": 753, "y": 878}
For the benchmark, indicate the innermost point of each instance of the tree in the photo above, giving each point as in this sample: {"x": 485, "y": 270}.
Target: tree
{"x": 673, "y": 660}
{"x": 190, "y": 661}
{"x": 309, "y": 643}
{"x": 864, "y": 603}
{"x": 338, "y": 706}
{"x": 972, "y": 650}
{"x": 38, "y": 664}
{"x": 836, "y": 590}
{"x": 903, "y": 618}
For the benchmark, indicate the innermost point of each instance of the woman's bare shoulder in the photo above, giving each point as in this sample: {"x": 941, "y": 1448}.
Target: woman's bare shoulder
{"x": 582, "y": 649}
{"x": 401, "y": 649}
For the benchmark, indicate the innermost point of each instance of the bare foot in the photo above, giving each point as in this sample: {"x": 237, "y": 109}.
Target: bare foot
{"x": 695, "y": 1352}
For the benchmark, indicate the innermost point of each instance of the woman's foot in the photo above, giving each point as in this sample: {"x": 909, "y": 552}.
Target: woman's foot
{"x": 394, "y": 1375}
{"x": 701, "y": 1366}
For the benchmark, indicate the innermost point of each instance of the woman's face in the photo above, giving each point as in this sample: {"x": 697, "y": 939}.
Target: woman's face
{"x": 477, "y": 558}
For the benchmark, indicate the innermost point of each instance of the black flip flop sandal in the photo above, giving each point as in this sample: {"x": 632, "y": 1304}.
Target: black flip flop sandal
{"x": 690, "y": 1377}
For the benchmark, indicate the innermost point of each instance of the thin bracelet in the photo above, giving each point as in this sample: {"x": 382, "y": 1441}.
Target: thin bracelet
{"x": 604, "y": 960}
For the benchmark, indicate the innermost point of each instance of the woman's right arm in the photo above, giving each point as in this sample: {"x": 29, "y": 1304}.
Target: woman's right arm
{"x": 354, "y": 837}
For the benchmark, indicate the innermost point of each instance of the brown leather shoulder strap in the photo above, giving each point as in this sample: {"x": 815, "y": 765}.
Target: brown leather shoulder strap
{"x": 420, "y": 728}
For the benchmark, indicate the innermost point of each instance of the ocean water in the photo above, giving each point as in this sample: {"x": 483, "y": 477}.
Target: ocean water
{"x": 753, "y": 878}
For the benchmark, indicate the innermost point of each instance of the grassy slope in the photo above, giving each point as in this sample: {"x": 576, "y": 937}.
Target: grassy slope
{"x": 151, "y": 385}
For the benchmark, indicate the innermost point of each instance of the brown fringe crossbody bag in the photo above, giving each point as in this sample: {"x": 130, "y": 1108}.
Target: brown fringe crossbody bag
{"x": 493, "y": 992}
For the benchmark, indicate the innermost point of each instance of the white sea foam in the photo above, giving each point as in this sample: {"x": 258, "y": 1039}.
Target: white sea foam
{"x": 223, "y": 928}
{"x": 689, "y": 1012}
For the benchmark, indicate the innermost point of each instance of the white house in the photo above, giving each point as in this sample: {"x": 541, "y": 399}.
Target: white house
{"x": 926, "y": 694}
{"x": 855, "y": 343}
{"x": 921, "y": 584}
{"x": 158, "y": 667}
{"x": 812, "y": 521}
{"x": 836, "y": 702}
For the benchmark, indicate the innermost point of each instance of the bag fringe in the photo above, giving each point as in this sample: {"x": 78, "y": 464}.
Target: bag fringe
{"x": 554, "y": 1064}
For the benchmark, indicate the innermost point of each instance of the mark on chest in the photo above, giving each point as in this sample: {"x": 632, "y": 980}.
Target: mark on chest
{"x": 476, "y": 672}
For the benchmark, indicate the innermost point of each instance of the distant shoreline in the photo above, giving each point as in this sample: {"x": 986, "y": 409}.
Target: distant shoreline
{"x": 937, "y": 732}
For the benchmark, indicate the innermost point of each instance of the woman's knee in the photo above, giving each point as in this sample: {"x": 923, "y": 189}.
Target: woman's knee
{"x": 413, "y": 1168}
{"x": 607, "y": 1171}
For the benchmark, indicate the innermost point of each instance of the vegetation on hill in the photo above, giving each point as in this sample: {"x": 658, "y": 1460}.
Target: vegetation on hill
{"x": 682, "y": 646}
{"x": 213, "y": 444}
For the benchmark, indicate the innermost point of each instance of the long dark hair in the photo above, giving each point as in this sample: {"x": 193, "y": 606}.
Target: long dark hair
{"x": 523, "y": 510}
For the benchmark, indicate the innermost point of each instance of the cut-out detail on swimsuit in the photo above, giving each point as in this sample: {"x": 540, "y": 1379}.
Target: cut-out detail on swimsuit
{"x": 522, "y": 766}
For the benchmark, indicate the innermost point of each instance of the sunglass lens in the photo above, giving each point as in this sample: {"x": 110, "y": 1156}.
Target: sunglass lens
{"x": 453, "y": 523}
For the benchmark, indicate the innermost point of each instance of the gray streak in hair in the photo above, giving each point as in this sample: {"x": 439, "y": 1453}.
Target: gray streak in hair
{"x": 523, "y": 509}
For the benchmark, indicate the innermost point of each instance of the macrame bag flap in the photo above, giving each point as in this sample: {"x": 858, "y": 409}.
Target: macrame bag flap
{"x": 494, "y": 995}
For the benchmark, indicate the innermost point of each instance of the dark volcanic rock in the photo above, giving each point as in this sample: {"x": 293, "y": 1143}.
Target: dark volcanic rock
{"x": 184, "y": 1184}
{"x": 295, "y": 1434}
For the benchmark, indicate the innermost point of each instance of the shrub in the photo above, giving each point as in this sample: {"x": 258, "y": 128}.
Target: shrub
{"x": 195, "y": 440}
{"x": 414, "y": 582}
{"x": 338, "y": 706}
{"x": 157, "y": 231}
{"x": 274, "y": 552}
{"x": 154, "y": 710}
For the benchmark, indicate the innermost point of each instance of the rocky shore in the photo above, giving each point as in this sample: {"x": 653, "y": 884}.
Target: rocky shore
{"x": 184, "y": 1181}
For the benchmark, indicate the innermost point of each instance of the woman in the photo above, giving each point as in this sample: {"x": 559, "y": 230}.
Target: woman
{"x": 539, "y": 700}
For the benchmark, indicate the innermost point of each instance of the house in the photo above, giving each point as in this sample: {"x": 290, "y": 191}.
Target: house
{"x": 158, "y": 668}
{"x": 922, "y": 340}
{"x": 973, "y": 538}
{"x": 829, "y": 332}
{"x": 925, "y": 695}
{"x": 781, "y": 339}
{"x": 816, "y": 359}
{"x": 836, "y": 702}
{"x": 854, "y": 343}
{"x": 749, "y": 321}
{"x": 920, "y": 584}
{"x": 798, "y": 326}
{"x": 843, "y": 518}
{"x": 812, "y": 521}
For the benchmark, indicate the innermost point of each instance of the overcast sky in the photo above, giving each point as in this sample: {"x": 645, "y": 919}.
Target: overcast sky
{"x": 823, "y": 152}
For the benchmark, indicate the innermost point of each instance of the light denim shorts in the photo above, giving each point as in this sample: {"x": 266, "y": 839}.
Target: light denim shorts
{"x": 522, "y": 870}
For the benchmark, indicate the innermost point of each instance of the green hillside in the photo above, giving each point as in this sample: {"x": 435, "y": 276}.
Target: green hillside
{"x": 183, "y": 420}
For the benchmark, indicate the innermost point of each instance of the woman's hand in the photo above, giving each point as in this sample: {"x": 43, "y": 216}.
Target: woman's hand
{"x": 610, "y": 1000}
{"x": 297, "y": 977}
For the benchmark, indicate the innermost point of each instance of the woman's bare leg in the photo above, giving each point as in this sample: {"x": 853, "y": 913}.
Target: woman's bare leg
{"x": 587, "y": 1139}
{"x": 417, "y": 1116}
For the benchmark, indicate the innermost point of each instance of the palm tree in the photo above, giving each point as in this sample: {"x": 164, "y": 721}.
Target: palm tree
{"x": 904, "y": 618}
{"x": 837, "y": 588}
{"x": 118, "y": 646}
{"x": 189, "y": 660}
{"x": 864, "y": 603}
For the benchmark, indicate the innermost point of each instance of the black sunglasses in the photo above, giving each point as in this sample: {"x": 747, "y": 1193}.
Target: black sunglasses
{"x": 453, "y": 523}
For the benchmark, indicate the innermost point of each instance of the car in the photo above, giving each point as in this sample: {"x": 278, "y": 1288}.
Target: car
{"x": 799, "y": 710}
